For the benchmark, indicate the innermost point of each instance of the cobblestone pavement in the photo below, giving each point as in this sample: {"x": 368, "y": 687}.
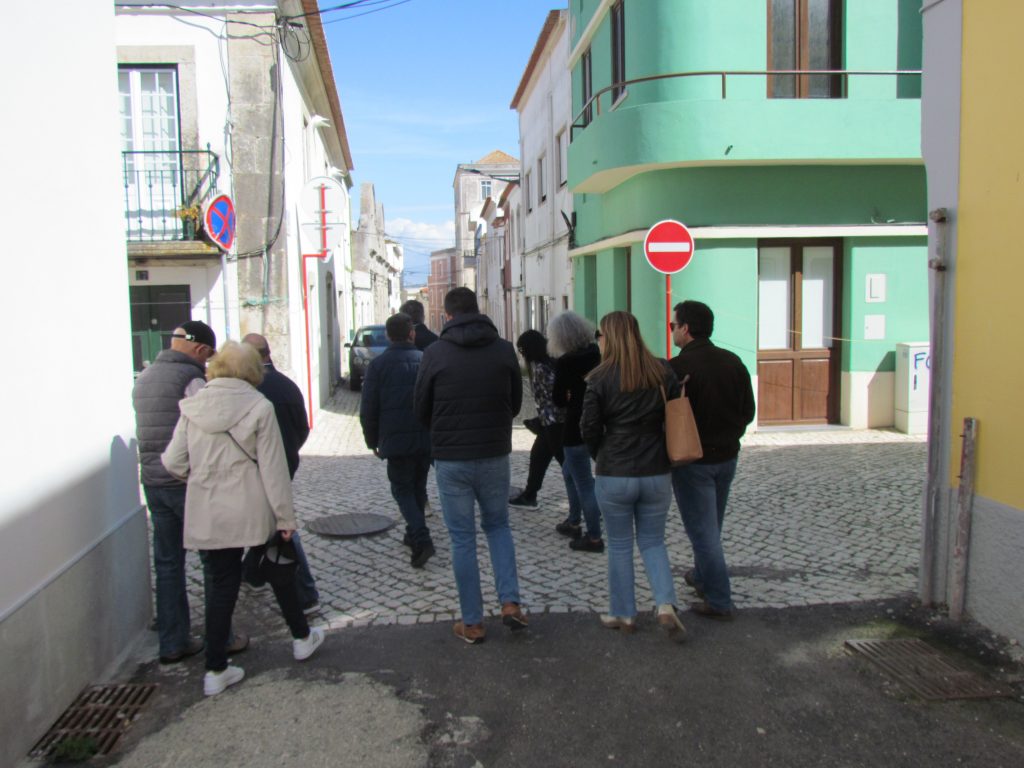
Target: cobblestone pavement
{"x": 814, "y": 517}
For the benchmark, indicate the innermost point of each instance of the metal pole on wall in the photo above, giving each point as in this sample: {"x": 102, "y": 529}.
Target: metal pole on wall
{"x": 965, "y": 501}
{"x": 936, "y": 404}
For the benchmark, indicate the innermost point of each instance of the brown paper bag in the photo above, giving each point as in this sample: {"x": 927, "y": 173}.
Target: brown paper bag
{"x": 681, "y": 438}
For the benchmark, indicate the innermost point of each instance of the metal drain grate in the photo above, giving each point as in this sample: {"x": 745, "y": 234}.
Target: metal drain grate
{"x": 101, "y": 713}
{"x": 925, "y": 671}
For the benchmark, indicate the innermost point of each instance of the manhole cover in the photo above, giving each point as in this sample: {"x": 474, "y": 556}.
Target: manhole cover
{"x": 96, "y": 720}
{"x": 350, "y": 524}
{"x": 925, "y": 671}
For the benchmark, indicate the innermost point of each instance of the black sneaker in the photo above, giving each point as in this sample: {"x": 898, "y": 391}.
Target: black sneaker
{"x": 587, "y": 544}
{"x": 572, "y": 530}
{"x": 421, "y": 555}
{"x": 406, "y": 541}
{"x": 523, "y": 500}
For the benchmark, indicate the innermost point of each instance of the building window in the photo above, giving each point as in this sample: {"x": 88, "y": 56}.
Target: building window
{"x": 485, "y": 189}
{"x": 618, "y": 26}
{"x": 542, "y": 193}
{"x": 527, "y": 192}
{"x": 151, "y": 146}
{"x": 563, "y": 157}
{"x": 804, "y": 34}
{"x": 588, "y": 86}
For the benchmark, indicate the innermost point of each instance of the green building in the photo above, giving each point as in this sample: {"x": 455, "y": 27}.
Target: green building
{"x": 805, "y": 193}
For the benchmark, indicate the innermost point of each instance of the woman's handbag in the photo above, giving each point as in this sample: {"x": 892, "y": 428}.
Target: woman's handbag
{"x": 681, "y": 438}
{"x": 269, "y": 562}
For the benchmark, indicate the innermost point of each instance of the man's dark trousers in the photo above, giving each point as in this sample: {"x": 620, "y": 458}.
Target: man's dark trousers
{"x": 167, "y": 512}
{"x": 408, "y": 476}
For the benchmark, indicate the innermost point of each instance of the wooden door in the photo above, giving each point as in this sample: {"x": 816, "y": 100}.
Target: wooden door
{"x": 798, "y": 314}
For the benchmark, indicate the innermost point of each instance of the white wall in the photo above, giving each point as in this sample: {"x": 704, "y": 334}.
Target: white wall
{"x": 544, "y": 112}
{"x": 69, "y": 481}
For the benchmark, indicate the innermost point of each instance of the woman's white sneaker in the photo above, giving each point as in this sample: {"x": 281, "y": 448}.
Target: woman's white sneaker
{"x": 217, "y": 682}
{"x": 303, "y": 649}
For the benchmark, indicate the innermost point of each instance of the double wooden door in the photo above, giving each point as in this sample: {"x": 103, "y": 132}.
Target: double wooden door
{"x": 798, "y": 315}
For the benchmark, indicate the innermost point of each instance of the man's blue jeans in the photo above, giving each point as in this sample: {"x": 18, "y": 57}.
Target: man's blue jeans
{"x": 580, "y": 479}
{"x": 702, "y": 491}
{"x": 643, "y": 502}
{"x": 167, "y": 511}
{"x": 460, "y": 485}
{"x": 408, "y": 476}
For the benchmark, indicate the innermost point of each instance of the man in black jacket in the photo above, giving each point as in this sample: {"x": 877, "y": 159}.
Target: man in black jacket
{"x": 722, "y": 398}
{"x": 424, "y": 336}
{"x": 468, "y": 390}
{"x": 290, "y": 410}
{"x": 393, "y": 433}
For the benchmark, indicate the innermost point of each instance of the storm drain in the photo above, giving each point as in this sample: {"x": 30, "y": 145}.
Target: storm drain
{"x": 350, "y": 524}
{"x": 926, "y": 672}
{"x": 99, "y": 716}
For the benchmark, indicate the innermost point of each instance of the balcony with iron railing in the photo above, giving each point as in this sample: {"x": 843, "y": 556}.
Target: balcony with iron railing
{"x": 710, "y": 118}
{"x": 164, "y": 193}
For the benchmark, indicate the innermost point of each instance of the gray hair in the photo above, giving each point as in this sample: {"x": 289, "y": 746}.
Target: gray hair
{"x": 568, "y": 332}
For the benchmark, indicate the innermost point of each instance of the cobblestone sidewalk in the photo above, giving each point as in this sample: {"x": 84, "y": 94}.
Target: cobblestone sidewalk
{"x": 814, "y": 517}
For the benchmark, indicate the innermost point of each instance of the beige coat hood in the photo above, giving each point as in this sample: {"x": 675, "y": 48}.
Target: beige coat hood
{"x": 227, "y": 445}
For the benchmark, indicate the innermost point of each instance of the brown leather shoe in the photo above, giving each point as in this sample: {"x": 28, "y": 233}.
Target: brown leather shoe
{"x": 472, "y": 634}
{"x": 618, "y": 622}
{"x": 512, "y": 616}
{"x": 669, "y": 621}
{"x": 704, "y": 609}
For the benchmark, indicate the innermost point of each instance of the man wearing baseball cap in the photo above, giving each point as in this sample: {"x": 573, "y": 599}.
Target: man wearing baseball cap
{"x": 176, "y": 373}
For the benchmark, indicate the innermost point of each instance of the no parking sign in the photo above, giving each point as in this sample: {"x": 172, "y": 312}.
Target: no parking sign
{"x": 219, "y": 221}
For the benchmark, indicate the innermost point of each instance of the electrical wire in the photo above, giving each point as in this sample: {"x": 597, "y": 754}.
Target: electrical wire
{"x": 366, "y": 13}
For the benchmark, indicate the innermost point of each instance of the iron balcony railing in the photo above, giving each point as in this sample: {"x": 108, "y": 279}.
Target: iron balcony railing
{"x": 838, "y": 84}
{"x": 164, "y": 192}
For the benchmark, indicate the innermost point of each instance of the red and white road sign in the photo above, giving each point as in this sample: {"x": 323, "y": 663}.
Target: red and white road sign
{"x": 668, "y": 246}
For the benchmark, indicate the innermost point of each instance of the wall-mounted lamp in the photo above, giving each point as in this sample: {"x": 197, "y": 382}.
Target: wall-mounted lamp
{"x": 319, "y": 121}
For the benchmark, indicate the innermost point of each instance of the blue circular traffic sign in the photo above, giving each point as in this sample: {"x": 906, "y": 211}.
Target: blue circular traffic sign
{"x": 219, "y": 221}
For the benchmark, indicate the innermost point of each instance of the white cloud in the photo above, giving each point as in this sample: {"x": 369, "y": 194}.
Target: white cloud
{"x": 422, "y": 235}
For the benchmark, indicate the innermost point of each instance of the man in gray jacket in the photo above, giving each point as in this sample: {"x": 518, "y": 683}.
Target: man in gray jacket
{"x": 176, "y": 373}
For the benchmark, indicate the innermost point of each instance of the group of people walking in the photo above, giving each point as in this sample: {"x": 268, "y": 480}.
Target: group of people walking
{"x": 600, "y": 396}
{"x": 219, "y": 433}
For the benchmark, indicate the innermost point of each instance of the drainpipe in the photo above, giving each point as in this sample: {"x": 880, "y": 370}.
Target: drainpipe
{"x": 224, "y": 286}
{"x": 936, "y": 399}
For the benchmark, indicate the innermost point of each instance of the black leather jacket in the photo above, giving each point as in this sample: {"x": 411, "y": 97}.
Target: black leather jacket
{"x": 625, "y": 431}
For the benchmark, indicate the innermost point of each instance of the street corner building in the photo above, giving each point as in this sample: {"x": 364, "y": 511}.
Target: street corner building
{"x": 786, "y": 134}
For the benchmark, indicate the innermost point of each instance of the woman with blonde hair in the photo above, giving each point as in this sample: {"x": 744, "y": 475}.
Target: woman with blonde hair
{"x": 623, "y": 425}
{"x": 228, "y": 448}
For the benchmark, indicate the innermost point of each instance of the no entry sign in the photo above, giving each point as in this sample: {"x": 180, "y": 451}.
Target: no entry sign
{"x": 219, "y": 221}
{"x": 668, "y": 246}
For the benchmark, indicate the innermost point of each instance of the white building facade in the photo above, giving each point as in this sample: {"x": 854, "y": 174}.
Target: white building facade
{"x": 75, "y": 595}
{"x": 474, "y": 183}
{"x": 543, "y": 101}
{"x": 204, "y": 112}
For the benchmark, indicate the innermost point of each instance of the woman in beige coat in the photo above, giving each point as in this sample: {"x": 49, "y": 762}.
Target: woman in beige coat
{"x": 227, "y": 445}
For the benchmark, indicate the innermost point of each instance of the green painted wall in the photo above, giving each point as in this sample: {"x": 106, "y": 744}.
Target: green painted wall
{"x": 904, "y": 262}
{"x": 761, "y": 195}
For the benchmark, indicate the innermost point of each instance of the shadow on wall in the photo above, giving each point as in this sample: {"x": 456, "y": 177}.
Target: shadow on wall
{"x": 75, "y": 593}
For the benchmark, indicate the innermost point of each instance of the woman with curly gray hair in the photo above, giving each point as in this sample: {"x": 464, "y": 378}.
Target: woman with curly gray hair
{"x": 571, "y": 339}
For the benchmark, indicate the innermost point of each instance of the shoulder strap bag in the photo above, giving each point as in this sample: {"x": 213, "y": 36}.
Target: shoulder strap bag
{"x": 681, "y": 438}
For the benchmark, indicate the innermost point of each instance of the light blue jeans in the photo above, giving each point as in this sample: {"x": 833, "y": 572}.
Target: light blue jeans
{"x": 579, "y": 481}
{"x": 642, "y": 502}
{"x": 461, "y": 485}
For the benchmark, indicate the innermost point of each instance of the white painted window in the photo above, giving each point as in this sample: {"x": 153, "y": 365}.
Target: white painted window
{"x": 773, "y": 298}
{"x": 542, "y": 193}
{"x": 151, "y": 139}
{"x": 562, "y": 148}
{"x": 485, "y": 189}
{"x": 528, "y": 192}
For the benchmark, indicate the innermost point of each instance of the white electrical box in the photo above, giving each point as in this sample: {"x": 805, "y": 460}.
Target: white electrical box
{"x": 913, "y": 382}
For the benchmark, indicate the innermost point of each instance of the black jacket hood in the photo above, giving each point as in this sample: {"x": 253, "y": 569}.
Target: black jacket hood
{"x": 470, "y": 330}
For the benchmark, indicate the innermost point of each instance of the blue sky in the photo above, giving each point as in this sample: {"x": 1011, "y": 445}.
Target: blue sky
{"x": 426, "y": 85}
